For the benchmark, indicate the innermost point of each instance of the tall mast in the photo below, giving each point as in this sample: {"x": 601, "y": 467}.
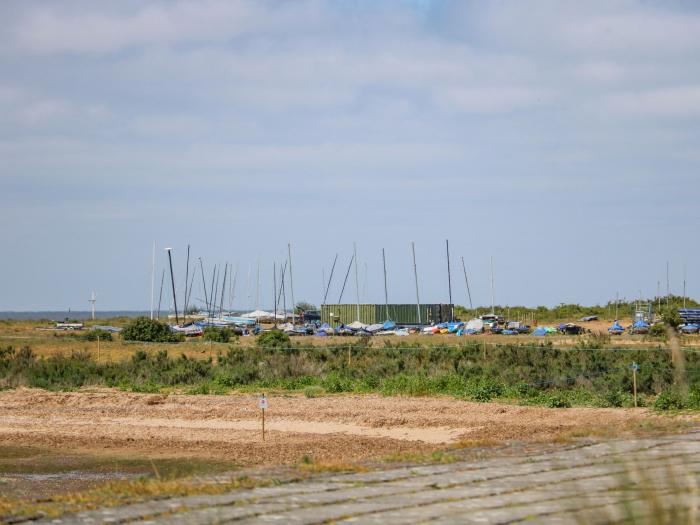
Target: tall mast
{"x": 330, "y": 278}
{"x": 172, "y": 279}
{"x": 284, "y": 294}
{"x": 617, "y": 305}
{"x": 187, "y": 278}
{"x": 274, "y": 287}
{"x": 160, "y": 297}
{"x": 189, "y": 291}
{"x": 684, "y": 283}
{"x": 232, "y": 296}
{"x": 415, "y": 276}
{"x": 223, "y": 290}
{"x": 204, "y": 286}
{"x": 449, "y": 278}
{"x": 257, "y": 286}
{"x": 291, "y": 282}
{"x": 668, "y": 284}
{"x": 493, "y": 303}
{"x": 357, "y": 284}
{"x": 386, "y": 290}
{"x": 466, "y": 280}
{"x": 214, "y": 289}
{"x": 347, "y": 274}
{"x": 153, "y": 275}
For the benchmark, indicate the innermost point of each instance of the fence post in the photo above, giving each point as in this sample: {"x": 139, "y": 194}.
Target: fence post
{"x": 349, "y": 354}
{"x": 98, "y": 348}
{"x": 484, "y": 349}
{"x": 634, "y": 367}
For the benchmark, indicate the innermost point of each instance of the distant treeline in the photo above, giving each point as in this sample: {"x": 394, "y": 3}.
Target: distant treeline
{"x": 576, "y": 311}
{"x": 527, "y": 374}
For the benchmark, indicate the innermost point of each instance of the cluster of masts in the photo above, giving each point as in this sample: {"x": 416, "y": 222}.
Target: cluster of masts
{"x": 214, "y": 294}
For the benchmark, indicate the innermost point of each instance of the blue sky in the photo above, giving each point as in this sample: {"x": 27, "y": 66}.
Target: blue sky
{"x": 559, "y": 137}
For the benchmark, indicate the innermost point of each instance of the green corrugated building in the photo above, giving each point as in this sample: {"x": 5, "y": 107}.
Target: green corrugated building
{"x": 334, "y": 314}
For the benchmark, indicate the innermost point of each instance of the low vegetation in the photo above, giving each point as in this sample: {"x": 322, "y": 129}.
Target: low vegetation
{"x": 526, "y": 374}
{"x": 149, "y": 331}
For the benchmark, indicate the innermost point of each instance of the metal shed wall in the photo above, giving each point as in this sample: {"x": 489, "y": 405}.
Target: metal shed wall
{"x": 376, "y": 313}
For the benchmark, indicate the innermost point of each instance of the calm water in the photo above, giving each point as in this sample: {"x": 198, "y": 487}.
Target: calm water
{"x": 74, "y": 314}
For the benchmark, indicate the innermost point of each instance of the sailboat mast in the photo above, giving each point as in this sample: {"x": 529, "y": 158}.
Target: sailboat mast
{"x": 187, "y": 278}
{"x": 415, "y": 276}
{"x": 172, "y": 279}
{"x": 330, "y": 278}
{"x": 449, "y": 278}
{"x": 357, "y": 284}
{"x": 291, "y": 282}
{"x": 204, "y": 285}
{"x": 160, "y": 297}
{"x": 347, "y": 274}
{"x": 284, "y": 294}
{"x": 223, "y": 290}
{"x": 386, "y": 290}
{"x": 466, "y": 280}
{"x": 214, "y": 289}
{"x": 274, "y": 287}
{"x": 257, "y": 286}
{"x": 493, "y": 301}
{"x": 684, "y": 283}
{"x": 153, "y": 275}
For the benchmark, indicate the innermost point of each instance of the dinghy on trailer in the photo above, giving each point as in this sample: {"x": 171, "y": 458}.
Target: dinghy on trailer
{"x": 616, "y": 328}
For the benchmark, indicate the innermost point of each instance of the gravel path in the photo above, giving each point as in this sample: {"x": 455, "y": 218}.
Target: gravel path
{"x": 601, "y": 482}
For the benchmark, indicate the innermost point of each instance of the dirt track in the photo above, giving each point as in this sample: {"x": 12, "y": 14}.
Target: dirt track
{"x": 339, "y": 428}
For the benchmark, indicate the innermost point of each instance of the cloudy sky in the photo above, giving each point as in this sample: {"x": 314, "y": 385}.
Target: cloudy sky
{"x": 560, "y": 137}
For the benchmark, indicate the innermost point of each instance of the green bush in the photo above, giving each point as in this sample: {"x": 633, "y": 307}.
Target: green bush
{"x": 558, "y": 401}
{"x": 694, "y": 398}
{"x": 313, "y": 391}
{"x": 149, "y": 331}
{"x": 669, "y": 400}
{"x": 217, "y": 335}
{"x": 273, "y": 339}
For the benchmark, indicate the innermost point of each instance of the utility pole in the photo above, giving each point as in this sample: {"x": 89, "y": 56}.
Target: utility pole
{"x": 357, "y": 284}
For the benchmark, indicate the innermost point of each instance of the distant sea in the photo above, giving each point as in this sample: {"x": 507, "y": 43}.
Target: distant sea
{"x": 57, "y": 315}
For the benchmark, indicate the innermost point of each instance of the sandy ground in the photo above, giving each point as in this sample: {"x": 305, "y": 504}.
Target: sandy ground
{"x": 338, "y": 428}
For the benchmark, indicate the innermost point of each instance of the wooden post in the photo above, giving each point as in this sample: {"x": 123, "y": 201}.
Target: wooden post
{"x": 634, "y": 383}
{"x": 484, "y": 349}
{"x": 349, "y": 354}
{"x": 263, "y": 423}
{"x": 98, "y": 348}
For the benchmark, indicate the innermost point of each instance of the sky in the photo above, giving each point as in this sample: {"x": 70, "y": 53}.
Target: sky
{"x": 559, "y": 138}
